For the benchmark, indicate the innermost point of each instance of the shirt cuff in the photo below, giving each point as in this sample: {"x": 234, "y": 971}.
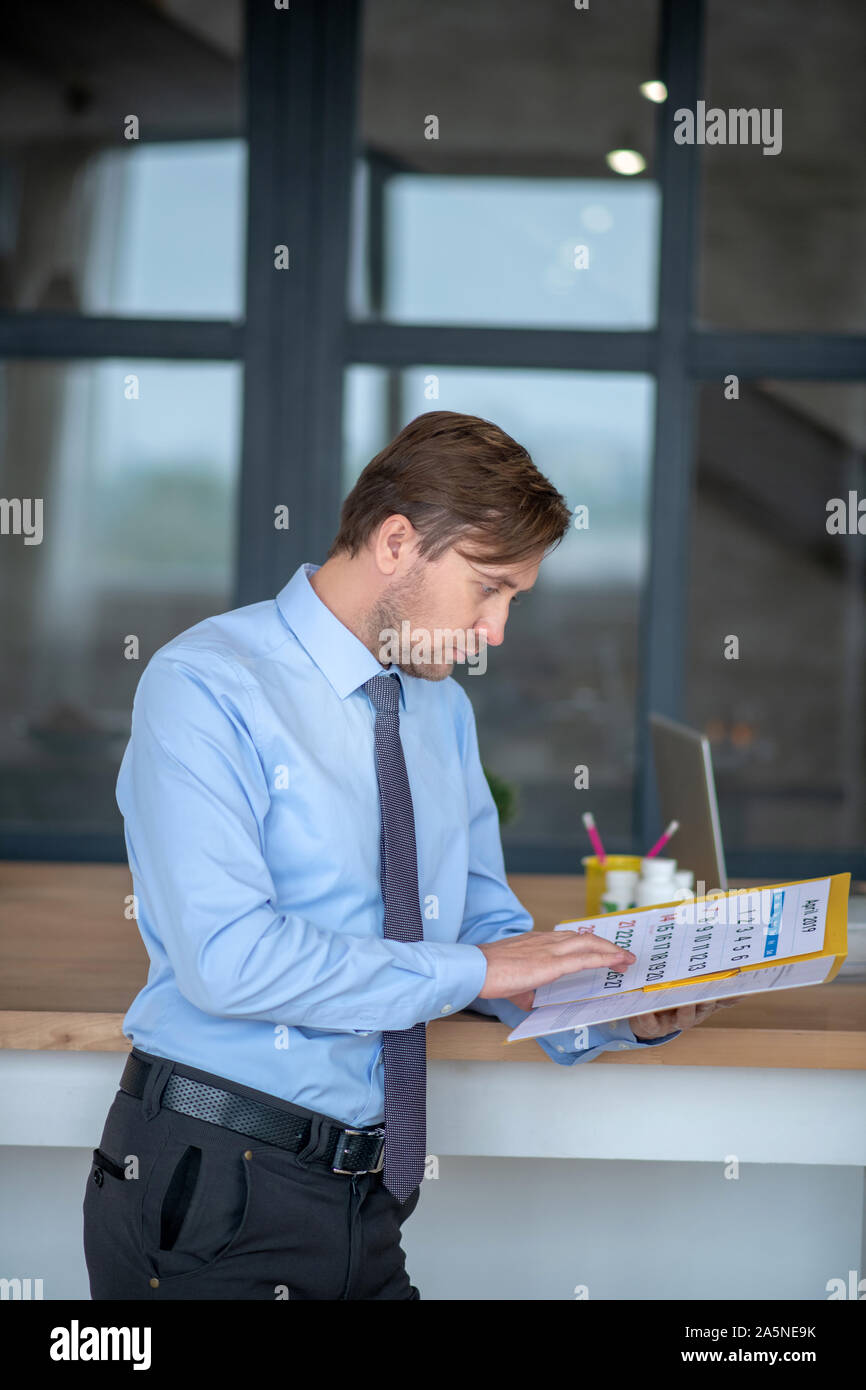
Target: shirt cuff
{"x": 586, "y": 1043}
{"x": 576, "y": 1044}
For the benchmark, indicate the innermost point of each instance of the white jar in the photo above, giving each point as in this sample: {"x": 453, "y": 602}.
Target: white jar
{"x": 619, "y": 890}
{"x": 685, "y": 881}
{"x": 658, "y": 868}
{"x": 650, "y": 892}
{"x": 657, "y": 883}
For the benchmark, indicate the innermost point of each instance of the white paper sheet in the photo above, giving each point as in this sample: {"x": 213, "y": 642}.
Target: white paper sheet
{"x": 564, "y": 1017}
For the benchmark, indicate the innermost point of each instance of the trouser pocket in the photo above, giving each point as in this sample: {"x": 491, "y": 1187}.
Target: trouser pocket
{"x": 102, "y": 1164}
{"x": 194, "y": 1201}
{"x": 111, "y": 1226}
{"x": 178, "y": 1196}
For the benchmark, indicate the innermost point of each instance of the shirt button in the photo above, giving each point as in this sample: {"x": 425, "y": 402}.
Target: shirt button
{"x": 446, "y": 1010}
{"x": 622, "y": 1046}
{"x": 559, "y": 1047}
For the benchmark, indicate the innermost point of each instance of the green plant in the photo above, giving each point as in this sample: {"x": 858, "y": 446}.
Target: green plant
{"x": 504, "y": 794}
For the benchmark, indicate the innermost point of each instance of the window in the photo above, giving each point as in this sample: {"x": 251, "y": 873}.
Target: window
{"x": 122, "y": 164}
{"x": 777, "y": 646}
{"x": 123, "y": 167}
{"x": 487, "y": 195}
{"x": 450, "y": 185}
{"x": 478, "y": 250}
{"x": 135, "y": 498}
{"x": 782, "y": 233}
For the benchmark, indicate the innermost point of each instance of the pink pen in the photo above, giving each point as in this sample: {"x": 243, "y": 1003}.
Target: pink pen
{"x": 660, "y": 844}
{"x": 594, "y": 837}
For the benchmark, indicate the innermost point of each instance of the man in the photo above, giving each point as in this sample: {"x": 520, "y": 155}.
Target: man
{"x": 318, "y": 873}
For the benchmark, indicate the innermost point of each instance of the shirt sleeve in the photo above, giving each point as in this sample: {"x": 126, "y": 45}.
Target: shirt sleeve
{"x": 194, "y": 795}
{"x": 578, "y": 1044}
{"x": 493, "y": 913}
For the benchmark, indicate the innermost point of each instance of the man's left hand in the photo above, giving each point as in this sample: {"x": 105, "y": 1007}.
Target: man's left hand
{"x": 647, "y": 1026}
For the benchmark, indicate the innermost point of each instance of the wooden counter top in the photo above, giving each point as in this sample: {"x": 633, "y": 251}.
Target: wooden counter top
{"x": 71, "y": 963}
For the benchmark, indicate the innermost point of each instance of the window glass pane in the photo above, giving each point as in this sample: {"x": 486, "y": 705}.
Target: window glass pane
{"x": 134, "y": 542}
{"x": 783, "y": 233}
{"x": 560, "y": 691}
{"x": 487, "y": 197}
{"x": 777, "y": 677}
{"x": 503, "y": 251}
{"x": 93, "y": 221}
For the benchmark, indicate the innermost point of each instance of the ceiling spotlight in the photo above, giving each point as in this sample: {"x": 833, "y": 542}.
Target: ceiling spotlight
{"x": 654, "y": 91}
{"x": 625, "y": 161}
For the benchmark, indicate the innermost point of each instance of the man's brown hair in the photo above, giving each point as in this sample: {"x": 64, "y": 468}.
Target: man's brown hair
{"x": 456, "y": 476}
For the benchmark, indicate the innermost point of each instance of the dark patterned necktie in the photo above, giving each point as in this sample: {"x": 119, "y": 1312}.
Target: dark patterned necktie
{"x": 406, "y": 1048}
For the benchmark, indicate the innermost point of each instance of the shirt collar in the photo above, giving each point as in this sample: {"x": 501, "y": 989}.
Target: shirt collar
{"x": 339, "y": 654}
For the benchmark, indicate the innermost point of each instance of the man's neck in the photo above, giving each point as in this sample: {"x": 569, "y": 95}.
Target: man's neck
{"x": 337, "y": 583}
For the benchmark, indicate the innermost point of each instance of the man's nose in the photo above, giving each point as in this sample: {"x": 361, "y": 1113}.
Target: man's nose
{"x": 494, "y": 631}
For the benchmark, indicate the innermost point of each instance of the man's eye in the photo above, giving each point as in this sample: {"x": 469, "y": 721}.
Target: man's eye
{"x": 486, "y": 589}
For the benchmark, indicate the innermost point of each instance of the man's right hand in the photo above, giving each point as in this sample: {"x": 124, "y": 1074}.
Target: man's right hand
{"x": 518, "y": 965}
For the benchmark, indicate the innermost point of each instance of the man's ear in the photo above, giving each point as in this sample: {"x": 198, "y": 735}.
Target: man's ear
{"x": 394, "y": 543}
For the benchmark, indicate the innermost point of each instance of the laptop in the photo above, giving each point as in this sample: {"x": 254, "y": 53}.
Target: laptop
{"x": 687, "y": 793}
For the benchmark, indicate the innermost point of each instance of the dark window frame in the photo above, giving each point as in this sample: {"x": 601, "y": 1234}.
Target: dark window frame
{"x": 301, "y": 80}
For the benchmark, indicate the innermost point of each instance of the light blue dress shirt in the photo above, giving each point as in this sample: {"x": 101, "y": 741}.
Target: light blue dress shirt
{"x": 252, "y": 821}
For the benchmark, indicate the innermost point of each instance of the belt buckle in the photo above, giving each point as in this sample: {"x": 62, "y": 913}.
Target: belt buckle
{"x": 341, "y": 1148}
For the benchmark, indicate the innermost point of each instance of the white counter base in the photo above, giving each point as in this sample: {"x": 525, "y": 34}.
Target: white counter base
{"x": 527, "y": 1204}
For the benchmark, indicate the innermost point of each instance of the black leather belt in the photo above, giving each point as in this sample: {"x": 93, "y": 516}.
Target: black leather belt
{"x": 344, "y": 1150}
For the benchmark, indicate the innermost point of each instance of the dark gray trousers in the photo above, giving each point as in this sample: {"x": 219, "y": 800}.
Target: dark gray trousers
{"x": 179, "y": 1208}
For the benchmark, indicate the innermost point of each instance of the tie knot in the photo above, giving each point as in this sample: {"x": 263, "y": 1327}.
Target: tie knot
{"x": 384, "y": 691}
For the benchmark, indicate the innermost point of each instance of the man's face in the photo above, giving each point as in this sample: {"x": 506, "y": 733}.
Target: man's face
{"x": 446, "y": 610}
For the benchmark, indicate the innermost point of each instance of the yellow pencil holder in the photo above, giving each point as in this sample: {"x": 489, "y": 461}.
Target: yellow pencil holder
{"x": 595, "y": 876}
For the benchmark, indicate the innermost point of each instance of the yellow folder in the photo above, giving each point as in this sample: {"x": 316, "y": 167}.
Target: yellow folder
{"x": 835, "y": 931}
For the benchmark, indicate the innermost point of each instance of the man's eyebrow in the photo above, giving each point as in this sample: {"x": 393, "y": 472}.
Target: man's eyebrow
{"x": 499, "y": 579}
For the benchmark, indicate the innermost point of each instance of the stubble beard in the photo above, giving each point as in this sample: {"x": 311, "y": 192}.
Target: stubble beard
{"x": 389, "y": 613}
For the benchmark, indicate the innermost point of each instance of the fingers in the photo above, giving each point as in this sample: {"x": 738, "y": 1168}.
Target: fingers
{"x": 592, "y": 960}
{"x": 708, "y": 1006}
{"x": 645, "y": 1025}
{"x": 672, "y": 1020}
{"x": 525, "y": 1000}
{"x": 593, "y": 950}
{"x": 665, "y": 1020}
{"x": 653, "y": 1025}
{"x": 579, "y": 940}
